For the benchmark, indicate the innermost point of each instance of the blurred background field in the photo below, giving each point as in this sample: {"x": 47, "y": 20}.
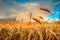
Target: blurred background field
{"x": 29, "y": 31}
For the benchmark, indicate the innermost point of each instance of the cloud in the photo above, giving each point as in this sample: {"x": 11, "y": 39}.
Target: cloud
{"x": 19, "y": 10}
{"x": 12, "y": 16}
{"x": 29, "y": 8}
{"x": 2, "y": 16}
{"x": 23, "y": 15}
{"x": 26, "y": 5}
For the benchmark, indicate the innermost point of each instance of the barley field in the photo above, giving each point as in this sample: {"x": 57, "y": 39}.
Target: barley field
{"x": 29, "y": 31}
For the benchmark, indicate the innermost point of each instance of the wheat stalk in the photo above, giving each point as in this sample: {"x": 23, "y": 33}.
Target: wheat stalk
{"x": 44, "y": 9}
{"x": 22, "y": 20}
{"x": 41, "y": 17}
{"x": 48, "y": 19}
{"x": 36, "y": 20}
{"x": 30, "y": 16}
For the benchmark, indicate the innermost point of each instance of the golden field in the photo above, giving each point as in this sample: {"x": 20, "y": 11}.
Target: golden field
{"x": 29, "y": 31}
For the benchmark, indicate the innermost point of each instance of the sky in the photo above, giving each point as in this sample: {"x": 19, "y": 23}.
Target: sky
{"x": 22, "y": 8}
